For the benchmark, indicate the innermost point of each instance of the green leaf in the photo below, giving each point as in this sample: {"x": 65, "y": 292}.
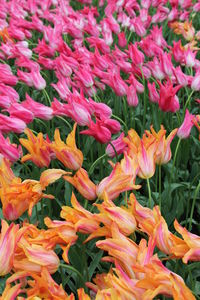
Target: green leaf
{"x": 94, "y": 264}
{"x": 68, "y": 193}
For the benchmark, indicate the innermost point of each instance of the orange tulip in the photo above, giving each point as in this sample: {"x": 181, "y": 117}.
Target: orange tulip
{"x": 11, "y": 293}
{"x": 5, "y": 35}
{"x": 123, "y": 280}
{"x": 138, "y": 274}
{"x": 196, "y": 122}
{"x": 39, "y": 149}
{"x": 117, "y": 286}
{"x": 157, "y": 280}
{"x": 130, "y": 165}
{"x": 120, "y": 247}
{"x": 32, "y": 257}
{"x": 50, "y": 176}
{"x": 189, "y": 247}
{"x": 6, "y": 173}
{"x": 8, "y": 240}
{"x": 17, "y": 196}
{"x": 82, "y": 295}
{"x": 185, "y": 29}
{"x": 68, "y": 154}
{"x": 116, "y": 183}
{"x": 61, "y": 233}
{"x": 142, "y": 152}
{"x": 146, "y": 161}
{"x": 40, "y": 286}
{"x": 133, "y": 137}
{"x": 83, "y": 220}
{"x": 122, "y": 216}
{"x": 163, "y": 151}
{"x": 83, "y": 184}
{"x": 152, "y": 223}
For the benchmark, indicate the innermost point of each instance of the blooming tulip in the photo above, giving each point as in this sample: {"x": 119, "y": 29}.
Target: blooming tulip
{"x": 68, "y": 153}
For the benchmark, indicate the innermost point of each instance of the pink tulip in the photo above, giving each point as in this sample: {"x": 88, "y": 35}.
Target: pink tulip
{"x": 8, "y": 124}
{"x": 122, "y": 42}
{"x": 181, "y": 78}
{"x": 132, "y": 97}
{"x": 9, "y": 91}
{"x": 178, "y": 51}
{"x": 195, "y": 84}
{"x": 100, "y": 110}
{"x": 116, "y": 82}
{"x": 99, "y": 44}
{"x": 6, "y": 75}
{"x": 38, "y": 81}
{"x": 5, "y": 101}
{"x": 85, "y": 76}
{"x": 153, "y": 93}
{"x": 168, "y": 100}
{"x": 17, "y": 110}
{"x": 118, "y": 144}
{"x": 101, "y": 133}
{"x": 139, "y": 86}
{"x": 136, "y": 55}
{"x": 39, "y": 110}
{"x": 8, "y": 150}
{"x": 189, "y": 56}
{"x": 166, "y": 63}
{"x": 113, "y": 125}
{"x": 185, "y": 129}
{"x": 62, "y": 88}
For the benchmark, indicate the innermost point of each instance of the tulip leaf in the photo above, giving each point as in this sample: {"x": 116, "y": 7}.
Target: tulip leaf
{"x": 94, "y": 263}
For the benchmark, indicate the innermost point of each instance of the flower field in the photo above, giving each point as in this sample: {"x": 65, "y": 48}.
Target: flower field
{"x": 99, "y": 149}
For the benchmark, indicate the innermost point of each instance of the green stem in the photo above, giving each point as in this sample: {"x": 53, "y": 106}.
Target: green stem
{"x": 47, "y": 96}
{"x": 78, "y": 137}
{"x": 70, "y": 268}
{"x": 176, "y": 151}
{"x": 28, "y": 217}
{"x": 187, "y": 102}
{"x": 175, "y": 155}
{"x": 125, "y": 110}
{"x": 95, "y": 163}
{"x": 132, "y": 115}
{"x": 100, "y": 154}
{"x": 129, "y": 37}
{"x": 188, "y": 203}
{"x": 149, "y": 191}
{"x": 91, "y": 154}
{"x": 2, "y": 61}
{"x": 160, "y": 197}
{"x": 193, "y": 205}
{"x": 116, "y": 155}
{"x": 61, "y": 118}
{"x": 179, "y": 118}
{"x": 94, "y": 206}
{"x": 145, "y": 110}
{"x": 156, "y": 184}
{"x": 42, "y": 213}
{"x": 96, "y": 98}
{"x": 126, "y": 199}
{"x": 40, "y": 121}
{"x": 121, "y": 121}
{"x": 36, "y": 210}
{"x": 144, "y": 98}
